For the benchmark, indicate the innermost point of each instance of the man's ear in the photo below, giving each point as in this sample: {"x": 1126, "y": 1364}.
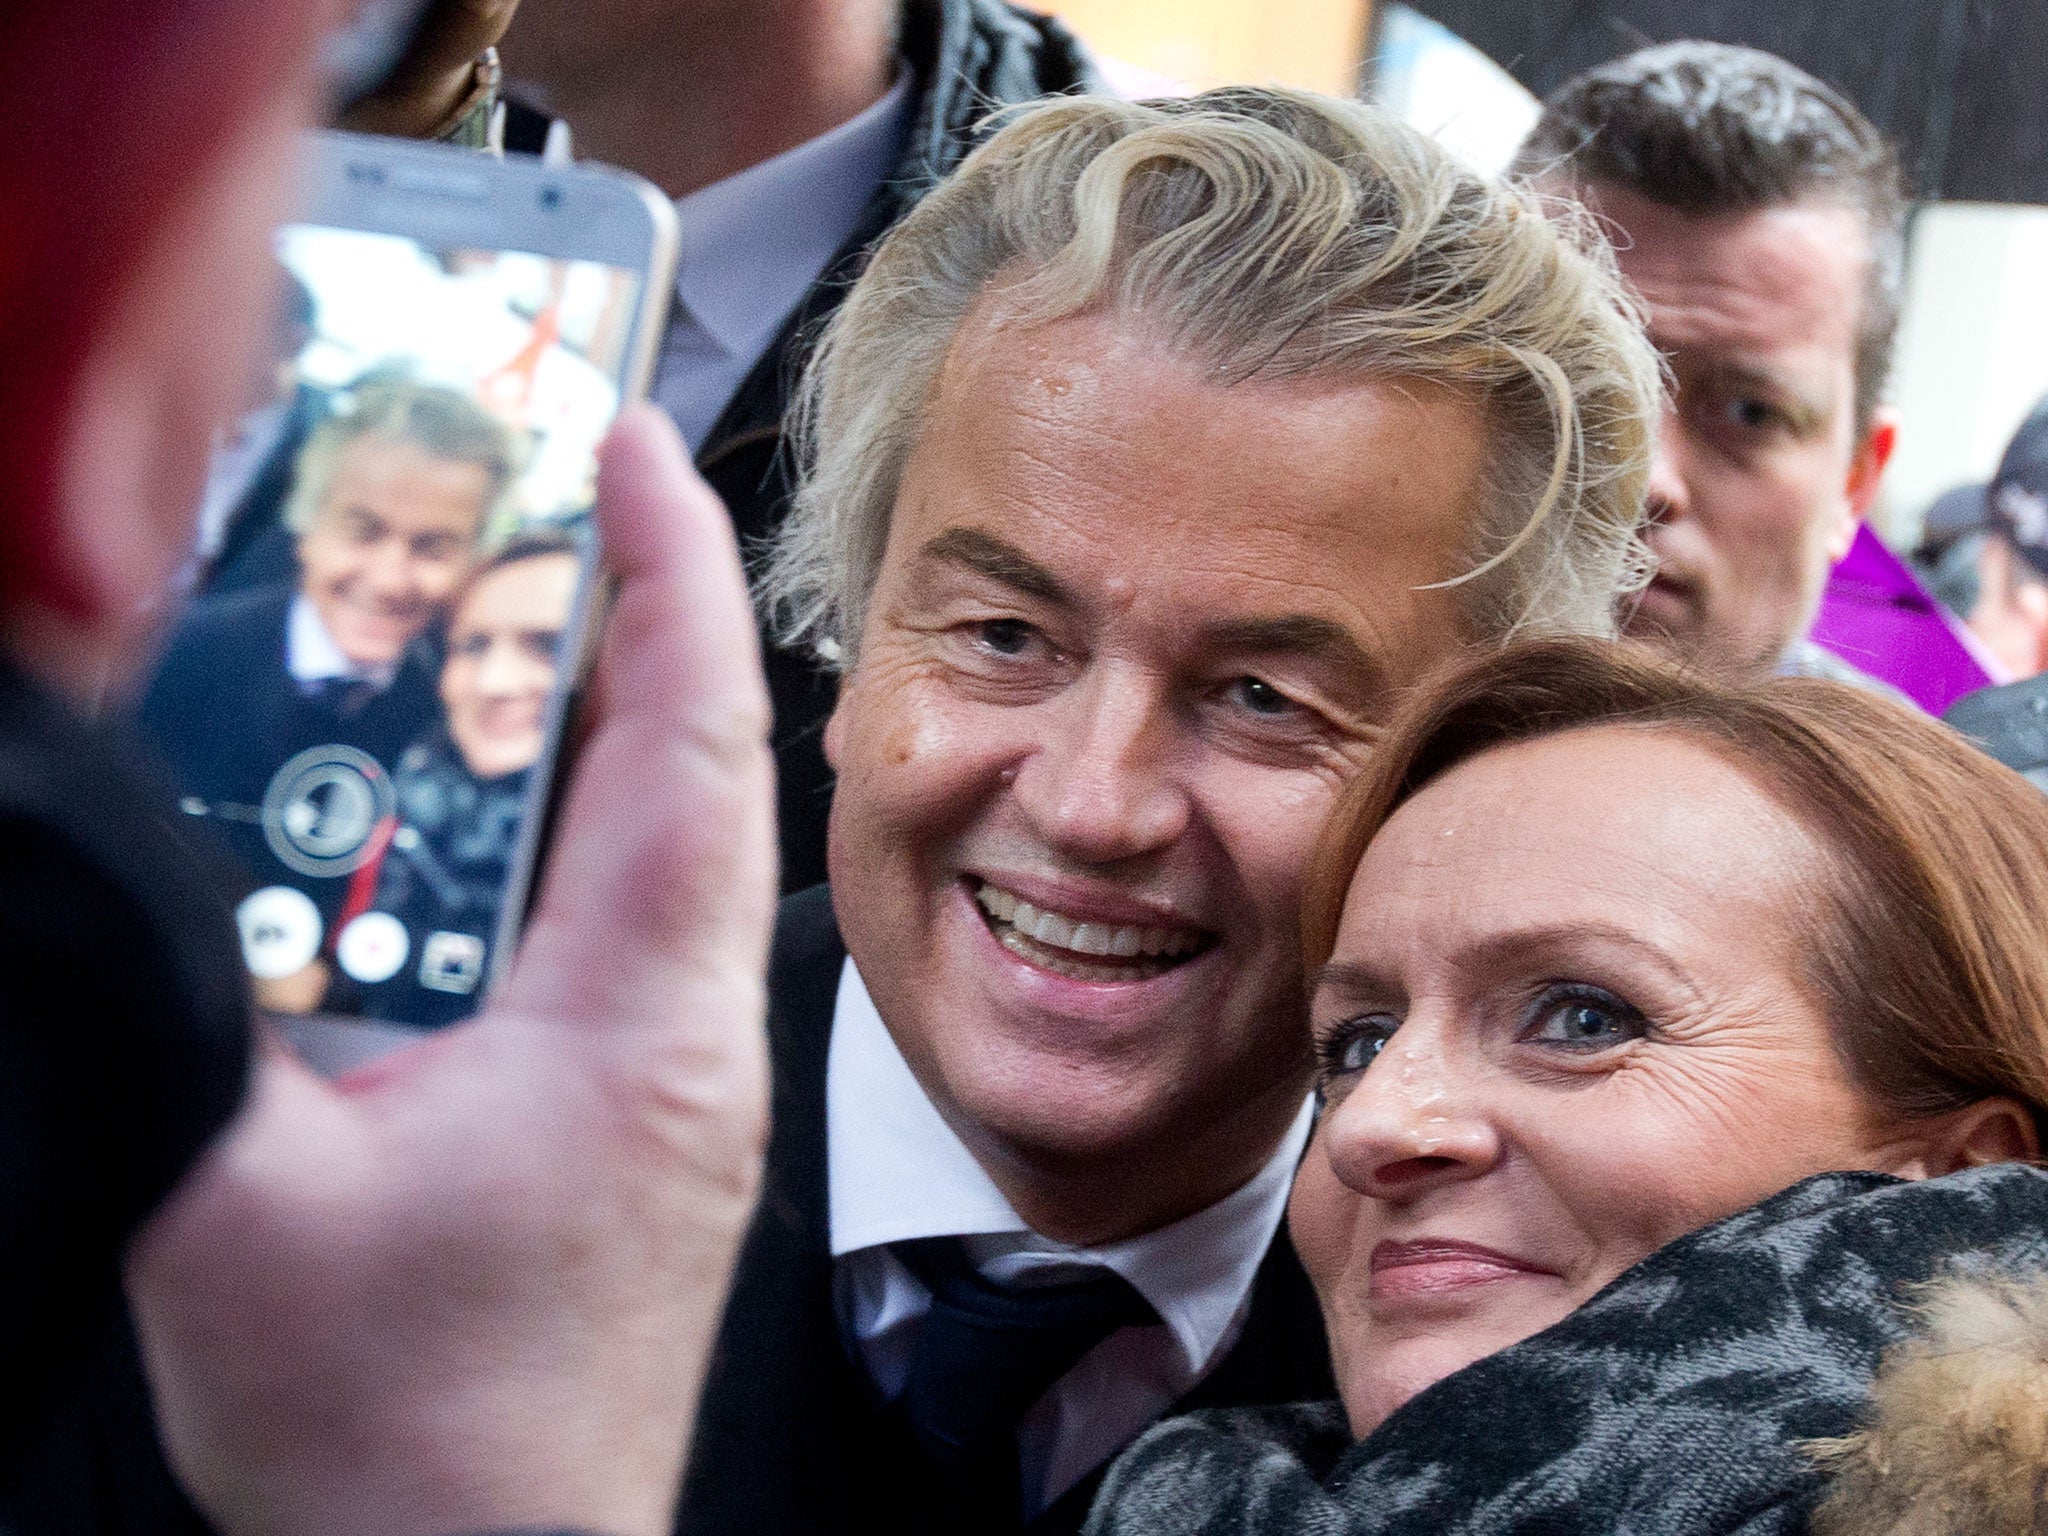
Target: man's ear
{"x": 1993, "y": 1130}
{"x": 1866, "y": 473}
{"x": 1867, "y": 465}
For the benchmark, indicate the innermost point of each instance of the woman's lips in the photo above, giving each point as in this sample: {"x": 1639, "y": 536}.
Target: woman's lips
{"x": 1432, "y": 1266}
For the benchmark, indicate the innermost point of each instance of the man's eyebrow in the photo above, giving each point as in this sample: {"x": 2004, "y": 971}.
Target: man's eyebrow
{"x": 986, "y": 555}
{"x": 1300, "y": 634}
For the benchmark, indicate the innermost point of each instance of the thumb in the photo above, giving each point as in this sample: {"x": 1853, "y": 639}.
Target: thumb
{"x": 663, "y": 867}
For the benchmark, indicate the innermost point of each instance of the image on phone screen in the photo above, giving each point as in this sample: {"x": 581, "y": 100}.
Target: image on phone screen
{"x": 363, "y": 696}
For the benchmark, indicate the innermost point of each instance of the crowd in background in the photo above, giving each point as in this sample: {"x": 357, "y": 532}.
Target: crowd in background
{"x": 1364, "y": 949}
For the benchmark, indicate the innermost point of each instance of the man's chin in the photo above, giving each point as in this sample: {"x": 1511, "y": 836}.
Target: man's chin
{"x": 1664, "y": 617}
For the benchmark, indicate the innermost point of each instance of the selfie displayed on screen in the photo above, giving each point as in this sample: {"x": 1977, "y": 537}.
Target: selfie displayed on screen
{"x": 362, "y": 698}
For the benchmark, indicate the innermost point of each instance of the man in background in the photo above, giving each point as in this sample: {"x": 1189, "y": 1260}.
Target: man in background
{"x": 793, "y": 134}
{"x": 1760, "y": 218}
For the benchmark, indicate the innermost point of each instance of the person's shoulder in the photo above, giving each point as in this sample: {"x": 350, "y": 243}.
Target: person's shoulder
{"x": 807, "y": 951}
{"x": 1806, "y": 658}
{"x": 218, "y": 652}
{"x": 1227, "y": 1469}
{"x": 806, "y": 929}
{"x": 973, "y": 56}
{"x": 230, "y": 620}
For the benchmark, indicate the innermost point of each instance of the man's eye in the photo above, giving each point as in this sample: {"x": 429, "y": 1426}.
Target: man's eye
{"x": 1355, "y": 1044}
{"x": 1006, "y": 637}
{"x": 1260, "y": 697}
{"x": 1584, "y": 1019}
{"x": 1751, "y": 415}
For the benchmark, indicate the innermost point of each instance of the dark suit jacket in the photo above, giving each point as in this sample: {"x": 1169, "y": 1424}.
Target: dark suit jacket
{"x": 787, "y": 1439}
{"x": 225, "y": 715}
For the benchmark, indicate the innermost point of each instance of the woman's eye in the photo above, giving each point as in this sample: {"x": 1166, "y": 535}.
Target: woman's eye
{"x": 1355, "y": 1044}
{"x": 1260, "y": 697}
{"x": 1006, "y": 637}
{"x": 1584, "y": 1019}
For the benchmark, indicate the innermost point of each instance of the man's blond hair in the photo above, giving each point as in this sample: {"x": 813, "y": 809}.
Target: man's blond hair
{"x": 1265, "y": 233}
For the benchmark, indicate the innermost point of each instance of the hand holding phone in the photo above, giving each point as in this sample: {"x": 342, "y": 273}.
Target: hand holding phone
{"x": 364, "y": 702}
{"x": 576, "y": 1166}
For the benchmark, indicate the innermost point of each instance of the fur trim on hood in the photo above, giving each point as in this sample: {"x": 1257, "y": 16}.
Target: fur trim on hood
{"x": 1957, "y": 1438}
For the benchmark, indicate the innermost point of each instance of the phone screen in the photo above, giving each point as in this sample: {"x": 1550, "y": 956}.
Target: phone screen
{"x": 363, "y": 696}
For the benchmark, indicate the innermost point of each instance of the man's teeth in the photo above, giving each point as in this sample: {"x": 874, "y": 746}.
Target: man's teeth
{"x": 1050, "y": 928}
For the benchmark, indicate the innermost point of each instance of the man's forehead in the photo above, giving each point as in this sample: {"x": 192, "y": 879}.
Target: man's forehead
{"x": 1784, "y": 278}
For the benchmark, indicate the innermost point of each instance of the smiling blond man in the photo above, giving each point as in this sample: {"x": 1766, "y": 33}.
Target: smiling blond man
{"x": 1155, "y": 455}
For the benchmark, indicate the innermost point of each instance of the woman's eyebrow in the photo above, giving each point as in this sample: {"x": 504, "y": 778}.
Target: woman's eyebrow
{"x": 1545, "y": 944}
{"x": 1346, "y": 979}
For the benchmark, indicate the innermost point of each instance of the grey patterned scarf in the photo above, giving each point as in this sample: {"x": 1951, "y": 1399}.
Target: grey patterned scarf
{"x": 1672, "y": 1404}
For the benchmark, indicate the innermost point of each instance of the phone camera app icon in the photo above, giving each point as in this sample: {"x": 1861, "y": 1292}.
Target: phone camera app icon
{"x": 372, "y": 948}
{"x": 280, "y": 932}
{"x": 322, "y": 808}
{"x": 451, "y": 962}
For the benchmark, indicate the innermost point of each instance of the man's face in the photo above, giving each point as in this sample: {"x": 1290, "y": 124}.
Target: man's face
{"x": 1760, "y": 475}
{"x": 1132, "y": 631}
{"x": 388, "y": 543}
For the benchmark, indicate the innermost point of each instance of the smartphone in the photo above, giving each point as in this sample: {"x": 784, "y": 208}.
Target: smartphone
{"x": 363, "y": 700}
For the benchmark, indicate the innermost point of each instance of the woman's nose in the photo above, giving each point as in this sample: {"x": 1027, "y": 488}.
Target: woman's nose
{"x": 1412, "y": 1122}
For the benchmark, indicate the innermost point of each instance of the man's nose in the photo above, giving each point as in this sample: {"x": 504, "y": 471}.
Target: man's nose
{"x": 1101, "y": 784}
{"x": 389, "y": 569}
{"x": 1411, "y": 1123}
{"x": 1666, "y": 498}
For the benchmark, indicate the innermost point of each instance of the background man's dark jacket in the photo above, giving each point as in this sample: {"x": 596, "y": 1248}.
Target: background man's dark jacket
{"x": 969, "y": 57}
{"x": 788, "y": 1438}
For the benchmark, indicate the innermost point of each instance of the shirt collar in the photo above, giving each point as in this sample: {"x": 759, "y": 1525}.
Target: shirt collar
{"x": 753, "y": 244}
{"x": 311, "y": 654}
{"x": 898, "y": 1171}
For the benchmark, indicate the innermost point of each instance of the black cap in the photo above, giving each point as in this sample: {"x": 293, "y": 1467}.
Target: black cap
{"x": 2017, "y": 498}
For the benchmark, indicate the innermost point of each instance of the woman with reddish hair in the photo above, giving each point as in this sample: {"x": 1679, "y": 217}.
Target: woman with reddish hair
{"x": 1673, "y": 1038}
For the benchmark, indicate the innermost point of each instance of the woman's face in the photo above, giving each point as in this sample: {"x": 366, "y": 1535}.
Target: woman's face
{"x": 502, "y": 642}
{"x": 1564, "y": 1023}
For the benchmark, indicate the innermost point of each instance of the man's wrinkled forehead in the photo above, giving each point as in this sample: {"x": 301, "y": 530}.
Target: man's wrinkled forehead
{"x": 1785, "y": 282}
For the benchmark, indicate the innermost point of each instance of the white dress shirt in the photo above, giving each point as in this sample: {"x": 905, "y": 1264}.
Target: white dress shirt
{"x": 752, "y": 246}
{"x": 896, "y": 1171}
{"x": 312, "y": 657}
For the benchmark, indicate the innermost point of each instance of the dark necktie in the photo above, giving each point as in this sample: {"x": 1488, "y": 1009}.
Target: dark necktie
{"x": 984, "y": 1354}
{"x": 345, "y": 696}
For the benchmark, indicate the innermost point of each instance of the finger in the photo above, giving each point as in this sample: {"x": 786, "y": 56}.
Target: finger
{"x": 663, "y": 870}
{"x": 451, "y": 35}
